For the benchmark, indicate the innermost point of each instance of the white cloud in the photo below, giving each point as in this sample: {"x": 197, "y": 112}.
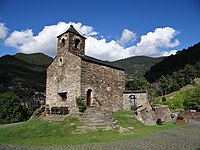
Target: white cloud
{"x": 161, "y": 37}
{"x": 152, "y": 44}
{"x": 156, "y": 43}
{"x": 19, "y": 38}
{"x": 127, "y": 36}
{"x": 166, "y": 53}
{"x": 3, "y": 31}
{"x": 105, "y": 50}
{"x": 45, "y": 41}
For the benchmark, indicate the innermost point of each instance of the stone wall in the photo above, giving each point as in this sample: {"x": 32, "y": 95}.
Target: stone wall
{"x": 68, "y": 42}
{"x": 145, "y": 114}
{"x": 141, "y": 98}
{"x": 106, "y": 83}
{"x": 190, "y": 115}
{"x": 163, "y": 113}
{"x": 72, "y": 74}
{"x": 64, "y": 76}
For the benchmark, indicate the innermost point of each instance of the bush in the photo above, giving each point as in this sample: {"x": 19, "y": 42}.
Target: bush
{"x": 81, "y": 105}
{"x": 11, "y": 109}
{"x": 180, "y": 118}
{"x": 164, "y": 99}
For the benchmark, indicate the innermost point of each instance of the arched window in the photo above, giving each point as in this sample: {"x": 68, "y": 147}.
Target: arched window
{"x": 77, "y": 41}
{"x": 63, "y": 42}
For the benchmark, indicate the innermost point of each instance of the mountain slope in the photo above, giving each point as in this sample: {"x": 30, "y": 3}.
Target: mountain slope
{"x": 137, "y": 65}
{"x": 174, "y": 63}
{"x": 24, "y": 75}
{"x": 28, "y": 71}
{"x": 39, "y": 59}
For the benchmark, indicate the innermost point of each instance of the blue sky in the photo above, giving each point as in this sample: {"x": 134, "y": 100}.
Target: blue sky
{"x": 114, "y": 29}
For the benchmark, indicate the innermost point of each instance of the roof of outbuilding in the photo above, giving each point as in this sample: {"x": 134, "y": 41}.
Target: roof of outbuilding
{"x": 134, "y": 91}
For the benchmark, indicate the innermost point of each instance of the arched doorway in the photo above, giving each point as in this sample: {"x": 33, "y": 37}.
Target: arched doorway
{"x": 89, "y": 97}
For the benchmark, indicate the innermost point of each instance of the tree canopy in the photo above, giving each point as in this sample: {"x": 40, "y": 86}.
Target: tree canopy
{"x": 11, "y": 109}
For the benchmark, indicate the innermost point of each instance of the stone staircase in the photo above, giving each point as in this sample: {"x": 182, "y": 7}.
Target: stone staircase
{"x": 94, "y": 119}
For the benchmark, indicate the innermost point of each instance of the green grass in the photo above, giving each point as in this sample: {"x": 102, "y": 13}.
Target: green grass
{"x": 42, "y": 133}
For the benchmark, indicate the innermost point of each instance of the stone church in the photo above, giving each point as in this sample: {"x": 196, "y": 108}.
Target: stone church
{"x": 73, "y": 74}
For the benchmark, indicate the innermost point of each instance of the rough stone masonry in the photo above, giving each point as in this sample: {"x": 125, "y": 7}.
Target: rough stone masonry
{"x": 72, "y": 74}
{"x": 100, "y": 85}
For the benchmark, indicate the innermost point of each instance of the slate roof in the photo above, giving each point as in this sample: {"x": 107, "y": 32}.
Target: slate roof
{"x": 100, "y": 62}
{"x": 134, "y": 91}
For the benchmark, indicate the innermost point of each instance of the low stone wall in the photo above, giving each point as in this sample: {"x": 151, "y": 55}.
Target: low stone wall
{"x": 141, "y": 99}
{"x": 145, "y": 113}
{"x": 190, "y": 115}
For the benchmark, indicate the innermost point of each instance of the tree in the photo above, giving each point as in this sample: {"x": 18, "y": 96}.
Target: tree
{"x": 192, "y": 101}
{"x": 136, "y": 83}
{"x": 11, "y": 109}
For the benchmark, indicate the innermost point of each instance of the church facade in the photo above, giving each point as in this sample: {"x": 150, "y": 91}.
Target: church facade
{"x": 72, "y": 74}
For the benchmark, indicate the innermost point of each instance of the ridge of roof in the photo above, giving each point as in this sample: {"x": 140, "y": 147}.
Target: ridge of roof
{"x": 72, "y": 30}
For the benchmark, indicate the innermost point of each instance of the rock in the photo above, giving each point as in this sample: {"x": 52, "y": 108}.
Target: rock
{"x": 123, "y": 130}
{"x": 38, "y": 112}
{"x": 130, "y": 128}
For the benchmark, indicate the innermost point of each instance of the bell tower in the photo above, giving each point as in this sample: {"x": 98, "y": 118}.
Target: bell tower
{"x": 71, "y": 41}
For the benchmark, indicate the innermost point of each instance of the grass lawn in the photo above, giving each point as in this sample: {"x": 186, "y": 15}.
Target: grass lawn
{"x": 38, "y": 132}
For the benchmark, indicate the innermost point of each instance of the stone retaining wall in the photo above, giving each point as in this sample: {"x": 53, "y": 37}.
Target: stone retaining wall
{"x": 190, "y": 115}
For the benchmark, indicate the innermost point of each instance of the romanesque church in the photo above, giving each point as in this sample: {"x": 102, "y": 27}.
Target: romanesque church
{"x": 96, "y": 83}
{"x": 72, "y": 74}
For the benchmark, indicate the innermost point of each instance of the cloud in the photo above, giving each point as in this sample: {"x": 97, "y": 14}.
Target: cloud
{"x": 105, "y": 50}
{"x": 152, "y": 44}
{"x": 127, "y": 36}
{"x": 19, "y": 38}
{"x": 3, "y": 31}
{"x": 155, "y": 43}
{"x": 24, "y": 41}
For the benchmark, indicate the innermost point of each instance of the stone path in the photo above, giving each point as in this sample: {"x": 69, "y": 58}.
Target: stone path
{"x": 182, "y": 138}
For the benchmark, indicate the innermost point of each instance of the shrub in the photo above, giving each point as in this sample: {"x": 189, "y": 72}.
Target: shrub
{"x": 81, "y": 105}
{"x": 164, "y": 99}
{"x": 180, "y": 118}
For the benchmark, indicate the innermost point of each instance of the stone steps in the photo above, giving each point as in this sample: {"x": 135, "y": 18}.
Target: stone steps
{"x": 94, "y": 119}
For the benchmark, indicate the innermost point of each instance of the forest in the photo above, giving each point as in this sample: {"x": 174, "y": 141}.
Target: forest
{"x": 171, "y": 74}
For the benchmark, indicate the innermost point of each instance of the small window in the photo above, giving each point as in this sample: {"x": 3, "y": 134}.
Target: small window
{"x": 63, "y": 42}
{"x": 63, "y": 95}
{"x": 61, "y": 61}
{"x": 77, "y": 41}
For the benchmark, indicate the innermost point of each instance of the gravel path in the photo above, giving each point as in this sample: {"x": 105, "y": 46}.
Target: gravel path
{"x": 182, "y": 138}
